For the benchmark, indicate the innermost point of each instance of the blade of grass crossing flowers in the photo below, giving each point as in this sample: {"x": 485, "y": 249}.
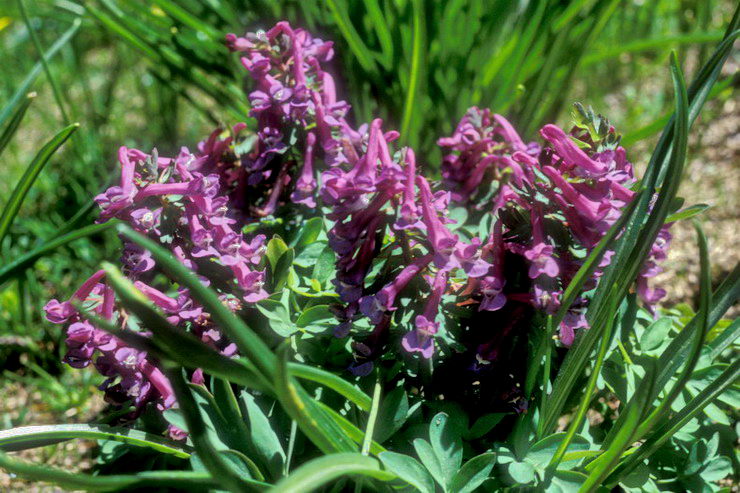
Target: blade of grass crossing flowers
{"x": 316, "y": 424}
{"x": 12, "y": 126}
{"x": 699, "y": 336}
{"x": 664, "y": 432}
{"x": 171, "y": 343}
{"x": 178, "y": 480}
{"x": 212, "y": 460}
{"x": 624, "y": 437}
{"x": 583, "y": 405}
{"x": 326, "y": 470}
{"x": 248, "y": 342}
{"x": 697, "y": 95}
{"x": 337, "y": 384}
{"x": 28, "y": 437}
{"x": 576, "y": 359}
{"x": 574, "y": 288}
{"x": 29, "y": 177}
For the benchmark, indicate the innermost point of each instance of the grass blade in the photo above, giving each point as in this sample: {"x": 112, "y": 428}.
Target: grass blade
{"x": 360, "y": 50}
{"x": 15, "y": 122}
{"x": 414, "y": 71}
{"x": 32, "y": 172}
{"x": 368, "y": 440}
{"x": 17, "y": 266}
{"x": 332, "y": 381}
{"x": 698, "y": 338}
{"x": 318, "y": 426}
{"x": 248, "y": 342}
{"x": 36, "y": 70}
{"x": 728, "y": 378}
{"x": 28, "y": 437}
{"x": 580, "y": 414}
{"x": 625, "y": 434}
{"x": 180, "y": 480}
{"x": 37, "y": 44}
{"x": 324, "y": 470}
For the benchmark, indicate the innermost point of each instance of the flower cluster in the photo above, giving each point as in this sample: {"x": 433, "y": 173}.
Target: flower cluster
{"x": 566, "y": 193}
{"x": 550, "y": 203}
{"x": 372, "y": 192}
{"x": 181, "y": 203}
{"x": 538, "y": 209}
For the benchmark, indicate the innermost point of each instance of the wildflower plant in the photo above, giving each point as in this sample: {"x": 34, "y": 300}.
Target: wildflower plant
{"x": 304, "y": 286}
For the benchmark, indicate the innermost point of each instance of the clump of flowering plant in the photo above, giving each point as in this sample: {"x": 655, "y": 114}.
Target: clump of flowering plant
{"x": 442, "y": 293}
{"x": 541, "y": 208}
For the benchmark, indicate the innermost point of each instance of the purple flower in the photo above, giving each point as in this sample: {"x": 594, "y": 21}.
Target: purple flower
{"x": 59, "y": 313}
{"x": 375, "y": 306}
{"x": 542, "y": 262}
{"x": 572, "y": 155}
{"x": 492, "y": 290}
{"x": 306, "y": 184}
{"x": 421, "y": 339}
{"x": 574, "y": 319}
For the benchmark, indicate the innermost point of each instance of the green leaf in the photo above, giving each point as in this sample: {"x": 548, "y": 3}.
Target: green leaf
{"x": 656, "y": 334}
{"x": 261, "y": 434}
{"x": 543, "y": 451}
{"x": 473, "y": 473}
{"x": 521, "y": 472}
{"x": 309, "y": 233}
{"x": 282, "y": 270}
{"x": 179, "y": 480}
{"x": 393, "y": 414}
{"x": 28, "y": 437}
{"x": 429, "y": 458}
{"x": 408, "y": 469}
{"x": 716, "y": 469}
{"x": 447, "y": 446}
{"x": 687, "y": 213}
{"x": 483, "y": 425}
{"x": 15, "y": 122}
{"x": 315, "y": 315}
{"x": 276, "y": 247}
{"x": 278, "y": 315}
{"x": 29, "y": 177}
{"x": 325, "y": 470}
{"x": 324, "y": 267}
